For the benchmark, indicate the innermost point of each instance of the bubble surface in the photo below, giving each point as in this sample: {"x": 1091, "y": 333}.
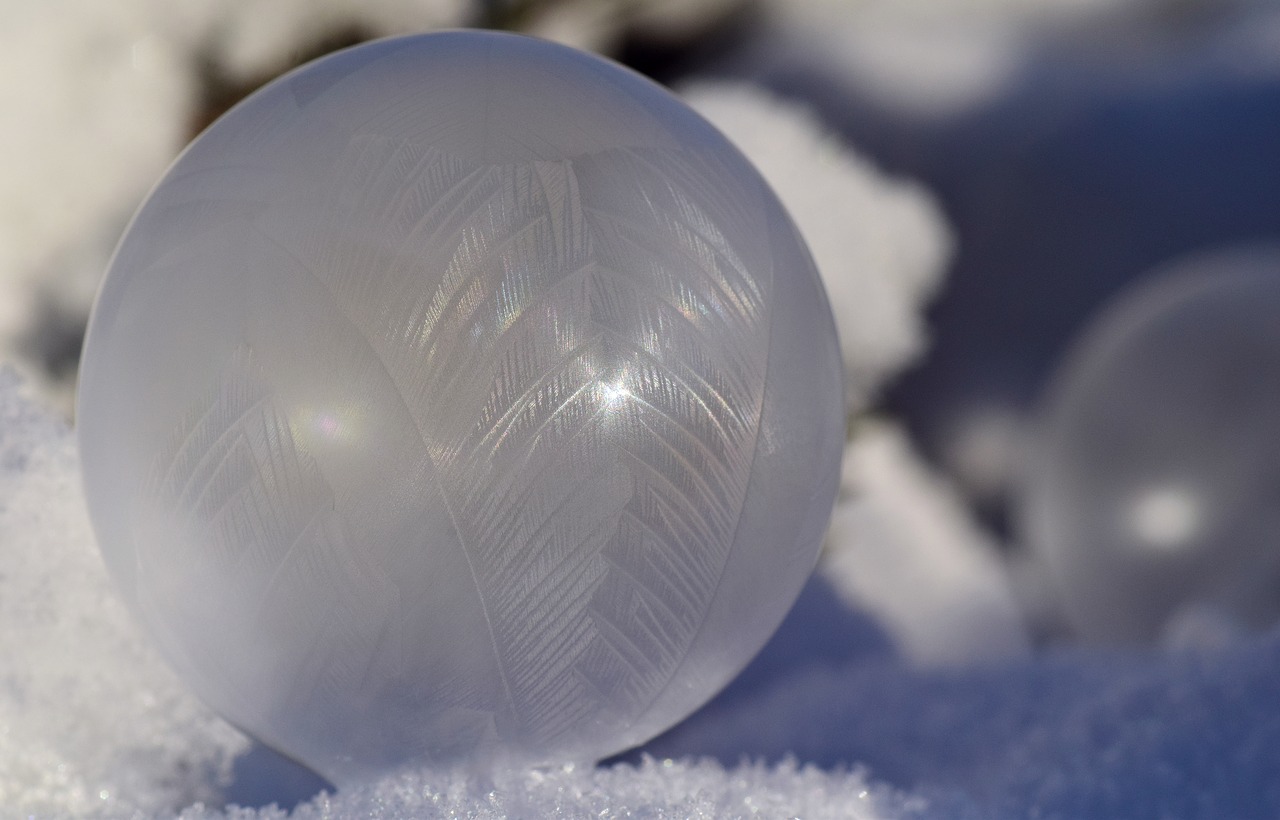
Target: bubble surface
{"x": 1154, "y": 491}
{"x": 460, "y": 397}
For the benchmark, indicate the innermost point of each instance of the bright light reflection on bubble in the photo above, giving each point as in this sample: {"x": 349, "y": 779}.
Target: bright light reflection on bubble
{"x": 615, "y": 392}
{"x": 422, "y": 409}
{"x": 1165, "y": 518}
{"x": 326, "y": 424}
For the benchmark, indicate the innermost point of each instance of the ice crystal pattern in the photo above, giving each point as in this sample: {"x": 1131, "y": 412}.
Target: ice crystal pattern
{"x": 429, "y": 409}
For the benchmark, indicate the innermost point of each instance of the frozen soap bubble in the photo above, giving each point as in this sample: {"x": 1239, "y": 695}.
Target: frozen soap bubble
{"x": 460, "y": 397}
{"x": 1154, "y": 491}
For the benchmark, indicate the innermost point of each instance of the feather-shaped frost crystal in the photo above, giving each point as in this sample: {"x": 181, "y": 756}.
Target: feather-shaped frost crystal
{"x": 460, "y": 397}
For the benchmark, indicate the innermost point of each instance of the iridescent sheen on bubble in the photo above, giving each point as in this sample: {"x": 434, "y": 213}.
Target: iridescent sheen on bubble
{"x": 1154, "y": 491}
{"x": 460, "y": 397}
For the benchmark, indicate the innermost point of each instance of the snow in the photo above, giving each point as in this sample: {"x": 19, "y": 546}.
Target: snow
{"x": 94, "y": 725}
{"x": 882, "y": 245}
{"x": 880, "y": 242}
{"x": 94, "y": 112}
{"x": 89, "y": 716}
{"x": 98, "y": 99}
{"x": 905, "y": 550}
{"x": 902, "y": 685}
{"x": 88, "y": 711}
{"x": 1081, "y": 733}
{"x": 594, "y": 26}
{"x": 652, "y": 789}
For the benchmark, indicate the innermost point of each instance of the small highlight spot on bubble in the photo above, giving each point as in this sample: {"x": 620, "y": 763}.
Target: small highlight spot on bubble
{"x": 1165, "y": 518}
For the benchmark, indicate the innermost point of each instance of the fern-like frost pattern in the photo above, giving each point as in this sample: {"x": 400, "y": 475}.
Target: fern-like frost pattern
{"x": 460, "y": 398}
{"x": 256, "y": 520}
{"x": 586, "y": 372}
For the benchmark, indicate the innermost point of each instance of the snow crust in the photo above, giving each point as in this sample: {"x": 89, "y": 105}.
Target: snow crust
{"x": 1068, "y": 734}
{"x": 653, "y": 789}
{"x": 90, "y": 717}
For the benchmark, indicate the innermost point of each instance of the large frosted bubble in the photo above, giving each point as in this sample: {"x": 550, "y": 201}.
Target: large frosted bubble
{"x": 1154, "y": 491}
{"x": 460, "y": 397}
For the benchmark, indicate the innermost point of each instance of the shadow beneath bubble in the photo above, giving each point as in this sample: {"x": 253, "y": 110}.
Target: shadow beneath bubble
{"x": 262, "y": 776}
{"x": 820, "y": 632}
